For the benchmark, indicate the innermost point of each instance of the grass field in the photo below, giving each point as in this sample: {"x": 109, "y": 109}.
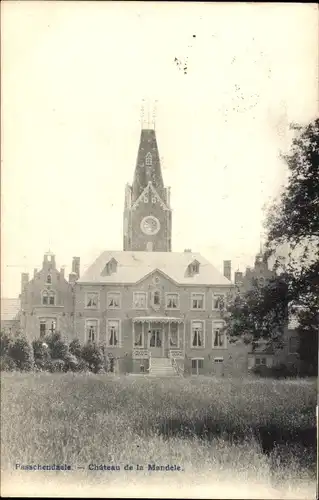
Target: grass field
{"x": 213, "y": 429}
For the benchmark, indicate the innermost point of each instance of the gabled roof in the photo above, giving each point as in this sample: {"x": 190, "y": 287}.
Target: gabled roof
{"x": 10, "y": 309}
{"x": 134, "y": 266}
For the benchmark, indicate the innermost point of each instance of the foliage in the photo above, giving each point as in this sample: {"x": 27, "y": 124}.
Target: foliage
{"x": 58, "y": 346}
{"x": 75, "y": 348}
{"x": 56, "y": 365}
{"x": 41, "y": 354}
{"x": 263, "y": 311}
{"x": 276, "y": 371}
{"x": 7, "y": 364}
{"x": 295, "y": 216}
{"x": 5, "y": 342}
{"x": 93, "y": 355}
{"x": 22, "y": 354}
{"x": 71, "y": 362}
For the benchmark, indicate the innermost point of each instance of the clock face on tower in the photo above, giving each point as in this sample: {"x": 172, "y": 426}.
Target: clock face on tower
{"x": 150, "y": 225}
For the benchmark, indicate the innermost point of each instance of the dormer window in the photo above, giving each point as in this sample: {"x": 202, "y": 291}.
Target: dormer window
{"x": 110, "y": 268}
{"x": 49, "y": 279}
{"x": 193, "y": 268}
{"x": 148, "y": 159}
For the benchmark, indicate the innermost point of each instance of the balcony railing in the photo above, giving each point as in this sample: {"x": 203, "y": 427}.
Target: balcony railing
{"x": 176, "y": 354}
{"x": 140, "y": 353}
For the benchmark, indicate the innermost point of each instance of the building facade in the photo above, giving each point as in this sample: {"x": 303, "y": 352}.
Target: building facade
{"x": 263, "y": 354}
{"x": 148, "y": 306}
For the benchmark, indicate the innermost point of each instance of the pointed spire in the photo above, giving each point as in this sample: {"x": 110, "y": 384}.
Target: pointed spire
{"x": 148, "y": 164}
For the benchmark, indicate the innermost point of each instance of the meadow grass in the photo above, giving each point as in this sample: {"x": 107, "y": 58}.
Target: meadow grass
{"x": 210, "y": 427}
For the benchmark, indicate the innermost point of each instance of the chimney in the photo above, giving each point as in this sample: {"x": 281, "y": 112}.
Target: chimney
{"x": 24, "y": 281}
{"x": 72, "y": 278}
{"x": 187, "y": 250}
{"x": 76, "y": 266}
{"x": 35, "y": 272}
{"x": 227, "y": 269}
{"x": 238, "y": 278}
{"x": 62, "y": 273}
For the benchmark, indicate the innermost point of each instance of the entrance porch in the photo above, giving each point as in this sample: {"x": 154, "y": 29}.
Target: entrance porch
{"x": 158, "y": 338}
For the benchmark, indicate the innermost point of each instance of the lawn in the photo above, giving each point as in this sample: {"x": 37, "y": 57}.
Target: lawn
{"x": 219, "y": 432}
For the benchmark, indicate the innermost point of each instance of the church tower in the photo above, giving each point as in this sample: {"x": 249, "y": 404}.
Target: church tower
{"x": 147, "y": 212}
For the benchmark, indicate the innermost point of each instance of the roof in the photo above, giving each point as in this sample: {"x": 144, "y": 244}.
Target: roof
{"x": 133, "y": 266}
{"x": 147, "y": 171}
{"x": 9, "y": 309}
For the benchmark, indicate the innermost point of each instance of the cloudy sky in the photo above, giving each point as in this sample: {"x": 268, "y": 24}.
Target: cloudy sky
{"x": 73, "y": 78}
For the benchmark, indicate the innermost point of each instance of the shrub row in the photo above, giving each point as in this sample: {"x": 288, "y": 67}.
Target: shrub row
{"x": 52, "y": 353}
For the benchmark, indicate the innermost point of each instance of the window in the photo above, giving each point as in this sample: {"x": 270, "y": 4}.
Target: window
{"x": 219, "y": 336}
{"x": 43, "y": 328}
{"x": 218, "y": 360}
{"x": 145, "y": 198}
{"x": 49, "y": 279}
{"x": 48, "y": 298}
{"x": 45, "y": 298}
{"x": 198, "y": 301}
{"x": 138, "y": 339}
{"x": 172, "y": 301}
{"x": 92, "y": 300}
{"x": 218, "y": 302}
{"x": 193, "y": 268}
{"x": 113, "y": 333}
{"x": 139, "y": 300}
{"x": 156, "y": 299}
{"x": 91, "y": 330}
{"x": 261, "y": 361}
{"x": 110, "y": 268}
{"x": 155, "y": 338}
{"x": 197, "y": 334}
{"x": 197, "y": 365}
{"x": 153, "y": 199}
{"x": 113, "y": 300}
{"x": 47, "y": 326}
{"x": 149, "y": 246}
{"x": 174, "y": 340}
{"x": 148, "y": 159}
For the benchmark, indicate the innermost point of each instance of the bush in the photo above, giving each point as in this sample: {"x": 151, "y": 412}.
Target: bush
{"x": 41, "y": 354}
{"x": 75, "y": 348}
{"x": 58, "y": 346}
{"x": 92, "y": 354}
{"x": 5, "y": 342}
{"x": 56, "y": 365}
{"x": 70, "y": 362}
{"x": 7, "y": 364}
{"x": 22, "y": 354}
{"x": 276, "y": 371}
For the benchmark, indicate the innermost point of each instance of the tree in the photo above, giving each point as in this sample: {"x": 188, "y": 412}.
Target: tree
{"x": 22, "y": 354}
{"x": 293, "y": 219}
{"x": 260, "y": 312}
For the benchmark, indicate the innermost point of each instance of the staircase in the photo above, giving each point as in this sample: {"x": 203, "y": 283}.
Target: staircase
{"x": 162, "y": 367}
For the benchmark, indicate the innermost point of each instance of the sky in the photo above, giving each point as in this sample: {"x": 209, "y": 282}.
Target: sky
{"x": 74, "y": 75}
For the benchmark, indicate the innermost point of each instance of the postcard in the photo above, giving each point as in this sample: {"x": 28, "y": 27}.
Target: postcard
{"x": 159, "y": 264}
